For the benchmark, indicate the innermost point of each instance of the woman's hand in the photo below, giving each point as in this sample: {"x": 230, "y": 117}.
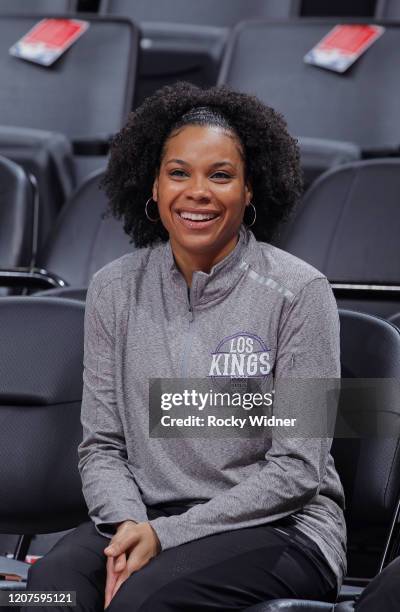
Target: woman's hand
{"x": 132, "y": 547}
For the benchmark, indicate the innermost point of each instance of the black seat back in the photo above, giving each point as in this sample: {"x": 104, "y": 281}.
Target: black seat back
{"x": 265, "y": 58}
{"x": 48, "y": 157}
{"x": 86, "y": 94}
{"x": 17, "y": 215}
{"x": 41, "y": 363}
{"x": 370, "y": 349}
{"x": 369, "y": 465}
{"x": 82, "y": 241}
{"x": 348, "y": 226}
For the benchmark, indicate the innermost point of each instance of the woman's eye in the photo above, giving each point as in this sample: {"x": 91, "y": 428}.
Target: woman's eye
{"x": 221, "y": 175}
{"x": 178, "y": 173}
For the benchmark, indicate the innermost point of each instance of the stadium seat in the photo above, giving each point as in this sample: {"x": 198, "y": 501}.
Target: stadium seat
{"x": 41, "y": 361}
{"x": 184, "y": 39}
{"x": 45, "y": 7}
{"x": 265, "y": 58}
{"x": 369, "y": 467}
{"x": 86, "y": 95}
{"x": 18, "y": 210}
{"x": 348, "y": 226}
{"x": 81, "y": 243}
{"x": 319, "y": 154}
{"x": 48, "y": 157}
{"x": 387, "y": 9}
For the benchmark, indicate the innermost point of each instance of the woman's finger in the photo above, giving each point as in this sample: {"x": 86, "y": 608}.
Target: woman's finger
{"x": 111, "y": 580}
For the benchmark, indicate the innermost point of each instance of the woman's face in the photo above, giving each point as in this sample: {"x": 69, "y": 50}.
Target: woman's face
{"x": 201, "y": 190}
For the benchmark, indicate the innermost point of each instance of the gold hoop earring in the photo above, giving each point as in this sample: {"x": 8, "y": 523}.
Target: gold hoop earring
{"x": 147, "y": 212}
{"x": 255, "y": 215}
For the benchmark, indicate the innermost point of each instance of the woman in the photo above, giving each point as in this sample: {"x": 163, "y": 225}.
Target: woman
{"x": 199, "y": 520}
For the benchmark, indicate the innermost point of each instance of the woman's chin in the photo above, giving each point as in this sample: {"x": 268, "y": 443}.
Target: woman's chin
{"x": 197, "y": 244}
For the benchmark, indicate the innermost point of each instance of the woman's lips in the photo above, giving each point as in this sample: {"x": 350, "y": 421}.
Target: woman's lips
{"x": 196, "y": 225}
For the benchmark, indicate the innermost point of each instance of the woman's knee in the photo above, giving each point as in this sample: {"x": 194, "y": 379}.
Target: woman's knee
{"x": 78, "y": 552}
{"x": 47, "y": 572}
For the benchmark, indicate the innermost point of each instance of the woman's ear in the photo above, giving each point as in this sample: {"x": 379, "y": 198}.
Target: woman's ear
{"x": 249, "y": 193}
{"x": 155, "y": 190}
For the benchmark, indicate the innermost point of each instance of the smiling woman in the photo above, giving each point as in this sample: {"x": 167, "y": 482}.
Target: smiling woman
{"x": 256, "y": 155}
{"x": 200, "y": 521}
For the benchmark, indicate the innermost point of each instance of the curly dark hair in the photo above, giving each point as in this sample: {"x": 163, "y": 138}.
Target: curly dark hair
{"x": 272, "y": 159}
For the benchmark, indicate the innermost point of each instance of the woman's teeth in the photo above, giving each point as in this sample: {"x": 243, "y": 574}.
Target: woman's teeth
{"x": 197, "y": 216}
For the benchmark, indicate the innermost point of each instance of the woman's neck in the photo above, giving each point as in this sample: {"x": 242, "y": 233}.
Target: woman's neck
{"x": 189, "y": 262}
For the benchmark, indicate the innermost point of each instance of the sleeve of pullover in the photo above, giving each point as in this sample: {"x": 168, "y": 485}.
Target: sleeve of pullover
{"x": 109, "y": 488}
{"x": 293, "y": 470}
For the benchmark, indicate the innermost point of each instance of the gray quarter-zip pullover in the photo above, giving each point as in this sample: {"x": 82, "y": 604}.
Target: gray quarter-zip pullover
{"x": 140, "y": 323}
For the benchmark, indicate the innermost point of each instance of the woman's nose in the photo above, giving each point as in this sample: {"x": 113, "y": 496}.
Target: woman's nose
{"x": 198, "y": 189}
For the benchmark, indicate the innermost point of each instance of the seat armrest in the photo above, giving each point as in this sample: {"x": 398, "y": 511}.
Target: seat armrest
{"x": 364, "y": 290}
{"x": 31, "y": 278}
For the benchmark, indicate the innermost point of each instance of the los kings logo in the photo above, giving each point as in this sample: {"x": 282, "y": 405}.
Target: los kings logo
{"x": 241, "y": 355}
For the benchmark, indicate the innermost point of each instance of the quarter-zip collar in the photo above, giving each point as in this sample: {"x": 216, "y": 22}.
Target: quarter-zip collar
{"x": 223, "y": 276}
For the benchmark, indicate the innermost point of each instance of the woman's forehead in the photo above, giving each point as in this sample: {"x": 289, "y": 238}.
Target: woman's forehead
{"x": 203, "y": 141}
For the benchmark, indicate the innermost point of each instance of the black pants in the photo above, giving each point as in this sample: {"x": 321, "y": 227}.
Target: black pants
{"x": 383, "y": 592}
{"x": 228, "y": 571}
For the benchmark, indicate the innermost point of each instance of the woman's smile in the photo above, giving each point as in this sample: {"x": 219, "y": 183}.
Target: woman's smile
{"x": 197, "y": 220}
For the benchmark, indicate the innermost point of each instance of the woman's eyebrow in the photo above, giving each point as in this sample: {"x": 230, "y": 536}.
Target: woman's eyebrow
{"x": 214, "y": 165}
{"x": 177, "y": 161}
{"x": 222, "y": 163}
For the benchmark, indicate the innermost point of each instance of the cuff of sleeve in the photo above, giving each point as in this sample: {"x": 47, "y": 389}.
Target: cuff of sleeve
{"x": 105, "y": 529}
{"x": 171, "y": 531}
{"x": 108, "y": 529}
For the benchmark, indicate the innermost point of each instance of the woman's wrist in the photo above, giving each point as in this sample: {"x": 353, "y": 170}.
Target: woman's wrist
{"x": 117, "y": 525}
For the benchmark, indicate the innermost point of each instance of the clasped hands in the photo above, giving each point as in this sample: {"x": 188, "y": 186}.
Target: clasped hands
{"x": 132, "y": 547}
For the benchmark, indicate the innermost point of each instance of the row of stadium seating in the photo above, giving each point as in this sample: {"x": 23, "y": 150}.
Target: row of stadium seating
{"x": 86, "y": 96}
{"x": 347, "y": 226}
{"x": 186, "y": 38}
